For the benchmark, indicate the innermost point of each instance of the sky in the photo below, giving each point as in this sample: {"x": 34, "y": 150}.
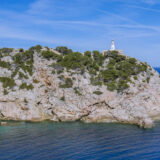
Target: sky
{"x": 84, "y": 25}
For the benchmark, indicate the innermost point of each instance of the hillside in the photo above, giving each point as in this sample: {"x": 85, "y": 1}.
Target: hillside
{"x": 61, "y": 85}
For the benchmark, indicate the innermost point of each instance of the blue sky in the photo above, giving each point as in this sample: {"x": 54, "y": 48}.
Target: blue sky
{"x": 84, "y": 25}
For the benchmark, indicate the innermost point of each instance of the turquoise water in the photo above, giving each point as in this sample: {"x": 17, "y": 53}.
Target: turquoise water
{"x": 78, "y": 141}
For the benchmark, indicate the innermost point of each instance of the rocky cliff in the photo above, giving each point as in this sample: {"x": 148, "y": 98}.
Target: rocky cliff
{"x": 61, "y": 85}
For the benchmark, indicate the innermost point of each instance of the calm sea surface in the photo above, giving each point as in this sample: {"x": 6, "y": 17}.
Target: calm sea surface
{"x": 78, "y": 141}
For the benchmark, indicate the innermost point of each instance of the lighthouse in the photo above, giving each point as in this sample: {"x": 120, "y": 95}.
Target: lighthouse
{"x": 112, "y": 46}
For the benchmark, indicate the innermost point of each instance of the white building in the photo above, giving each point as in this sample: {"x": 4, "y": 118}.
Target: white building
{"x": 113, "y": 48}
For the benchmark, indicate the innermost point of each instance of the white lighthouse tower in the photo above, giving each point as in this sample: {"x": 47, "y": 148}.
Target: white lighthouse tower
{"x": 113, "y": 46}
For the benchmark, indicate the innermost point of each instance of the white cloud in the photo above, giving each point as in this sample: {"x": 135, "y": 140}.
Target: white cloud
{"x": 111, "y": 24}
{"x": 40, "y": 6}
{"x": 144, "y": 8}
{"x": 151, "y": 1}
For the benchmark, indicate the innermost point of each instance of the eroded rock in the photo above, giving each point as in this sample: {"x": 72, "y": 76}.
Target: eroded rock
{"x": 139, "y": 104}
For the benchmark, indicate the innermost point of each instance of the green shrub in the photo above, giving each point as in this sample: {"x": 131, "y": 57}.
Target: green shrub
{"x": 148, "y": 79}
{"x": 132, "y": 60}
{"x": 21, "y": 75}
{"x": 76, "y": 91}
{"x": 21, "y": 50}
{"x": 5, "y": 92}
{"x": 111, "y": 63}
{"x": 25, "y": 86}
{"x": 25, "y": 100}
{"x": 96, "y": 81}
{"x": 27, "y": 68}
{"x": 87, "y": 53}
{"x": 68, "y": 83}
{"x": 29, "y": 63}
{"x": 64, "y": 50}
{"x": 76, "y": 61}
{"x": 109, "y": 75}
{"x": 92, "y": 72}
{"x": 22, "y": 57}
{"x": 35, "y": 81}
{"x": 24, "y": 60}
{"x": 46, "y": 47}
{"x": 7, "y": 82}
{"x": 111, "y": 86}
{"x": 122, "y": 85}
{"x": 48, "y": 54}
{"x": 60, "y": 71}
{"x": 14, "y": 73}
{"x": 98, "y": 92}
{"x": 17, "y": 58}
{"x": 6, "y": 50}
{"x": 142, "y": 67}
{"x": 36, "y": 48}
{"x": 126, "y": 67}
{"x": 112, "y": 54}
{"x": 115, "y": 75}
{"x": 51, "y": 55}
{"x": 120, "y": 58}
{"x": 53, "y": 71}
{"x": 62, "y": 98}
{"x": 94, "y": 66}
{"x": 98, "y": 57}
{"x": 4, "y": 64}
{"x": 135, "y": 78}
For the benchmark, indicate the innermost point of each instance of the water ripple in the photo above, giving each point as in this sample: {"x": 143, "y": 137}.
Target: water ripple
{"x": 78, "y": 141}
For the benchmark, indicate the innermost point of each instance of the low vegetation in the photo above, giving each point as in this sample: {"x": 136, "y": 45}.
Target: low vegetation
{"x": 118, "y": 71}
{"x": 76, "y": 91}
{"x": 63, "y": 50}
{"x": 7, "y": 82}
{"x": 97, "y": 92}
{"x": 21, "y": 75}
{"x": 24, "y": 60}
{"x": 51, "y": 55}
{"x": 35, "y": 81}
{"x": 62, "y": 98}
{"x": 68, "y": 83}
{"x": 4, "y": 64}
{"x": 25, "y": 86}
{"x": 6, "y": 51}
{"x": 111, "y": 69}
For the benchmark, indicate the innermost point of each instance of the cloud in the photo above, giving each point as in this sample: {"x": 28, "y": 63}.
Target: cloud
{"x": 144, "y": 8}
{"x": 72, "y": 23}
{"x": 8, "y": 32}
{"x": 152, "y": 2}
{"x": 41, "y": 29}
{"x": 39, "y": 6}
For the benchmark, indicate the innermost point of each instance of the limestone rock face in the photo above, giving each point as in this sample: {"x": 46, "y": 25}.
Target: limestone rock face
{"x": 139, "y": 104}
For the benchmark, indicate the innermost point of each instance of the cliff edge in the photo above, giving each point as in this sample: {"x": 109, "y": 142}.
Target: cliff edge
{"x": 61, "y": 85}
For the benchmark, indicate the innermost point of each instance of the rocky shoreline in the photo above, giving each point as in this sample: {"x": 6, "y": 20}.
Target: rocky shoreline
{"x": 59, "y": 93}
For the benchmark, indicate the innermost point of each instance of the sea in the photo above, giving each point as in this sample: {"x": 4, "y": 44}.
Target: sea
{"x": 157, "y": 69}
{"x": 78, "y": 141}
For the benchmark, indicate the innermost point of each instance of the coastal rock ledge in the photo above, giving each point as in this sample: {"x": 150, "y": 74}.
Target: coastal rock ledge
{"x": 61, "y": 85}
